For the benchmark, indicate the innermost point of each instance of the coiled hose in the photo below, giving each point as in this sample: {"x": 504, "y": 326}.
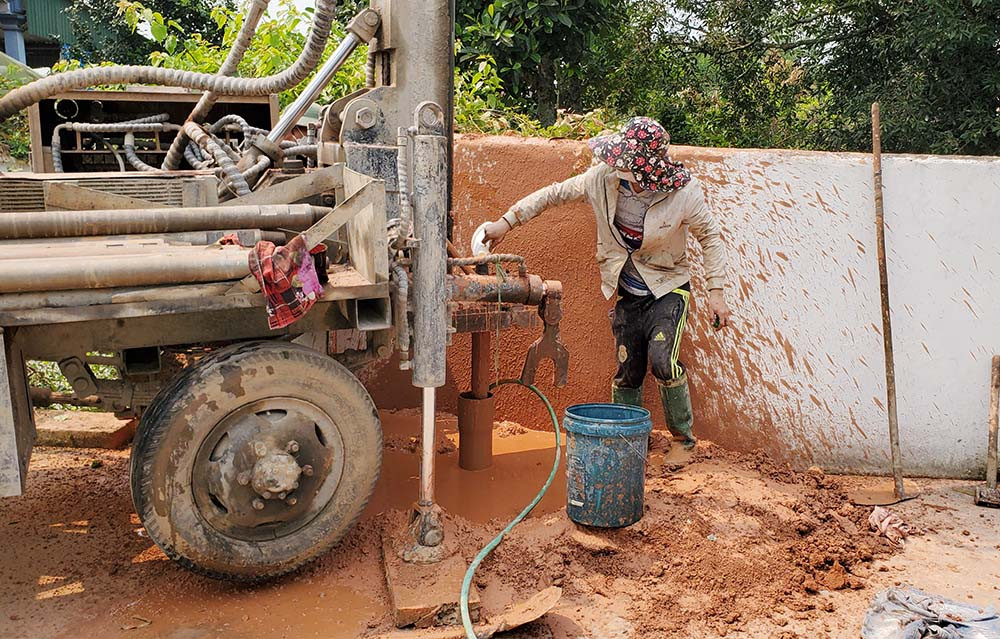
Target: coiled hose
{"x": 253, "y": 15}
{"x": 307, "y": 61}
{"x": 133, "y": 157}
{"x": 470, "y": 631}
{"x": 140, "y": 125}
{"x": 233, "y": 178}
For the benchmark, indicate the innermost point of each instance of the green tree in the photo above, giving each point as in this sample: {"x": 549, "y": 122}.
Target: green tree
{"x": 538, "y": 45}
{"x": 803, "y": 74}
{"x": 102, "y": 34}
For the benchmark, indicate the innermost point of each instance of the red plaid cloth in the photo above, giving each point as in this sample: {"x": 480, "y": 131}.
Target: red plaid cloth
{"x": 287, "y": 278}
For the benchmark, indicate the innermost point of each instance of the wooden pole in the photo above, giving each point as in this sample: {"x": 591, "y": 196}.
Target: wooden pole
{"x": 991, "y": 452}
{"x": 890, "y": 365}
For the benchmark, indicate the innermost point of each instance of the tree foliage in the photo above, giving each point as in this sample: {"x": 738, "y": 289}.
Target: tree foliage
{"x": 804, "y": 73}
{"x": 539, "y": 46}
{"x": 102, "y": 34}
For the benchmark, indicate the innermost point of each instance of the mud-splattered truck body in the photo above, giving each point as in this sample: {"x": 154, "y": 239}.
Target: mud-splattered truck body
{"x": 257, "y": 447}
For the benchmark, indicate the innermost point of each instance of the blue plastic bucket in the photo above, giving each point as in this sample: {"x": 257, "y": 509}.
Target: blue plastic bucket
{"x": 606, "y": 463}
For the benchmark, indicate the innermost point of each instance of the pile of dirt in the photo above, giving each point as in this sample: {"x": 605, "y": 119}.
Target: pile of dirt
{"x": 726, "y": 540}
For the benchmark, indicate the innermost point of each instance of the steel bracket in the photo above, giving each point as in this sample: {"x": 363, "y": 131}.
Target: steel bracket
{"x": 548, "y": 346}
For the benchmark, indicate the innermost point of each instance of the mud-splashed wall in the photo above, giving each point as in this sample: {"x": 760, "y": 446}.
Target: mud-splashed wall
{"x": 801, "y": 372}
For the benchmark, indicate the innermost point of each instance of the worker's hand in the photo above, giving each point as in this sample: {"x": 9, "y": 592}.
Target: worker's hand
{"x": 495, "y": 232}
{"x": 717, "y": 305}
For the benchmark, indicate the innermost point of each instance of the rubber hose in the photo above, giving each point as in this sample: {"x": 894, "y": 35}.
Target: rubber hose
{"x": 229, "y": 66}
{"x": 470, "y": 631}
{"x": 254, "y": 173}
{"x": 370, "y": 64}
{"x": 208, "y": 99}
{"x": 233, "y": 178}
{"x": 308, "y": 150}
{"x": 307, "y": 61}
{"x": 118, "y": 156}
{"x": 492, "y": 258}
{"x": 192, "y": 153}
{"x": 139, "y": 125}
{"x": 133, "y": 158}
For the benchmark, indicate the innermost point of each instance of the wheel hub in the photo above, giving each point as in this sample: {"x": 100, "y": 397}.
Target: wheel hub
{"x": 268, "y": 468}
{"x": 275, "y": 474}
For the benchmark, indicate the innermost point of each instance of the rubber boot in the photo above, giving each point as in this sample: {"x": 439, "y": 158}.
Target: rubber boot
{"x": 626, "y": 396}
{"x": 677, "y": 409}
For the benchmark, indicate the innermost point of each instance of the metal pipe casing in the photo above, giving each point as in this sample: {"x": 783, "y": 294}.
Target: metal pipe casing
{"x": 512, "y": 289}
{"x": 429, "y": 290}
{"x": 246, "y": 237}
{"x": 175, "y": 267}
{"x": 44, "y": 224}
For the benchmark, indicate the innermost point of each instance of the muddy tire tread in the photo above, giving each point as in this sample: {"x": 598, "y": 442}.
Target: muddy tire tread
{"x": 149, "y": 437}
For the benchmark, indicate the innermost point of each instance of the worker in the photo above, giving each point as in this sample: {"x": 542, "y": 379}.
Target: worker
{"x": 645, "y": 205}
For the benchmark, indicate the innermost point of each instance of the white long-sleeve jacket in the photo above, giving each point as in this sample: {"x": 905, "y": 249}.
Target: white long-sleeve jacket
{"x": 662, "y": 258}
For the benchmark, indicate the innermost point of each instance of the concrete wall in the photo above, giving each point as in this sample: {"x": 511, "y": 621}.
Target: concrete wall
{"x": 801, "y": 373}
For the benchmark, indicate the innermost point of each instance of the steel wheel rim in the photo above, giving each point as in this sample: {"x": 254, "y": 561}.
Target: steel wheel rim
{"x": 234, "y": 485}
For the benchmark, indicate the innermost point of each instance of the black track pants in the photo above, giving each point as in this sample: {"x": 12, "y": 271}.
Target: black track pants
{"x": 648, "y": 332}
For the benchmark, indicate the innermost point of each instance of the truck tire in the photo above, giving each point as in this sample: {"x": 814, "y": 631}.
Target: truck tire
{"x": 255, "y": 460}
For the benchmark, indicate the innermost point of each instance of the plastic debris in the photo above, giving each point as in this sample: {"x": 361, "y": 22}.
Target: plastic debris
{"x": 910, "y": 613}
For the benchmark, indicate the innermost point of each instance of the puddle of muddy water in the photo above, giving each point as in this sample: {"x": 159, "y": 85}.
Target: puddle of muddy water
{"x": 313, "y": 608}
{"x": 521, "y": 464}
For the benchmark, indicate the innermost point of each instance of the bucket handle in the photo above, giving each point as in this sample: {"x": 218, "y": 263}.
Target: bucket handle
{"x": 637, "y": 454}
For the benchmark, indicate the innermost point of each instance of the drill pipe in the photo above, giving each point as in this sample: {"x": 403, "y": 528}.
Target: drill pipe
{"x": 172, "y": 267}
{"x": 37, "y": 224}
{"x": 247, "y": 237}
{"x": 529, "y": 289}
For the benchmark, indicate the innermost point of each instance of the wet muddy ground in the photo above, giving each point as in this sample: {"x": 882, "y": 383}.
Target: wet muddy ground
{"x": 730, "y": 546}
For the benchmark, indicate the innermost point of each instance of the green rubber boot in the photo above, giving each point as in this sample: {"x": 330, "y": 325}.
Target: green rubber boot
{"x": 677, "y": 409}
{"x": 626, "y": 396}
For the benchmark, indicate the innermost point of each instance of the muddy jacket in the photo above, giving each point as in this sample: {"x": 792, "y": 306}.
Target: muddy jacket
{"x": 662, "y": 258}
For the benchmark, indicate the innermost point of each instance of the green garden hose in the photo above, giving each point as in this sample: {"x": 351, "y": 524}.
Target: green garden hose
{"x": 470, "y": 632}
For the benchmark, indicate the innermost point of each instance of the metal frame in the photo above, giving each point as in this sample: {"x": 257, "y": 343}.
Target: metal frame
{"x": 62, "y": 324}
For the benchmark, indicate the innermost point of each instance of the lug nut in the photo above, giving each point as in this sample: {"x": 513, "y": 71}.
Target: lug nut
{"x": 292, "y": 447}
{"x": 291, "y": 501}
{"x": 243, "y": 478}
{"x": 295, "y": 485}
{"x": 282, "y": 495}
{"x": 258, "y": 504}
{"x": 259, "y": 449}
{"x": 266, "y": 494}
{"x": 307, "y": 470}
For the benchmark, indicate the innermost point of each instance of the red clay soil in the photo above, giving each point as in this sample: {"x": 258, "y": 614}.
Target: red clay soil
{"x": 728, "y": 543}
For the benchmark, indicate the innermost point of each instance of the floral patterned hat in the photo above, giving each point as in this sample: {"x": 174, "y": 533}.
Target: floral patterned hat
{"x": 641, "y": 147}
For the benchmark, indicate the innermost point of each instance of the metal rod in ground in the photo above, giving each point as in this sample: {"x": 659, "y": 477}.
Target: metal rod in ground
{"x": 883, "y": 277}
{"x": 991, "y": 453}
{"x": 427, "y": 450}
